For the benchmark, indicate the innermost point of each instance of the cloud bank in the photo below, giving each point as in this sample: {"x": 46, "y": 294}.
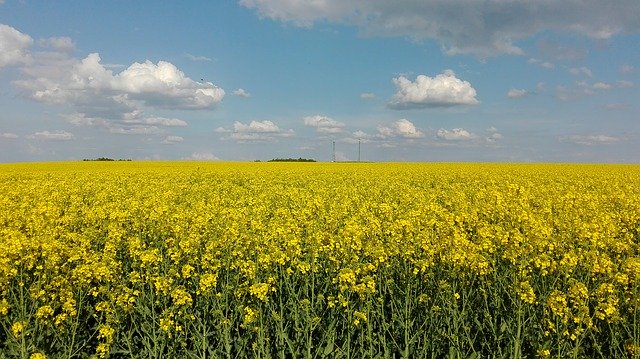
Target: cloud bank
{"x": 482, "y": 28}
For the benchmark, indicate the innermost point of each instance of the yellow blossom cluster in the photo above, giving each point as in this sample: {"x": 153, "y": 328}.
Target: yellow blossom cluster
{"x": 93, "y": 243}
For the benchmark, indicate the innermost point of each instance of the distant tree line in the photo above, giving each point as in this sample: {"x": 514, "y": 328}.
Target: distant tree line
{"x": 104, "y": 159}
{"x": 292, "y": 160}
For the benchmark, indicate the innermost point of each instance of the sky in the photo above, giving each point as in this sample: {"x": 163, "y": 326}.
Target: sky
{"x": 404, "y": 80}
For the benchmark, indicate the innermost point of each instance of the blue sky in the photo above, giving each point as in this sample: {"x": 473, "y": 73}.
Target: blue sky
{"x": 411, "y": 80}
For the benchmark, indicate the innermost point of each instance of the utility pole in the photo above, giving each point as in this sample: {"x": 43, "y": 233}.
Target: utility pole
{"x": 334, "y": 152}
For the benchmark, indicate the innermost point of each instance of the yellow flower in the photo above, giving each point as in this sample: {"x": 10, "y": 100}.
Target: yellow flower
{"x": 260, "y": 291}
{"x": 106, "y": 333}
{"x": 526, "y": 293}
{"x": 45, "y": 312}
{"x": 181, "y": 297}
{"x": 4, "y": 307}
{"x": 544, "y": 353}
{"x": 250, "y": 316}
{"x": 17, "y": 328}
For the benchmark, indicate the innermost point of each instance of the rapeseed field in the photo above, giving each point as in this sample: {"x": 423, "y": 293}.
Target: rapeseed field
{"x": 311, "y": 260}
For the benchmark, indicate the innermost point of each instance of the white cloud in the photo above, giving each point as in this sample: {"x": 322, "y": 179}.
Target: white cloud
{"x": 583, "y": 88}
{"x": 493, "y": 135}
{"x": 136, "y": 130}
{"x": 13, "y": 46}
{"x": 256, "y": 131}
{"x": 456, "y": 134}
{"x": 89, "y": 85}
{"x": 55, "y": 135}
{"x": 547, "y": 65}
{"x": 132, "y": 123}
{"x": 241, "y": 93}
{"x": 81, "y": 119}
{"x": 443, "y": 90}
{"x": 589, "y": 140}
{"x": 544, "y": 64}
{"x": 401, "y": 128}
{"x": 170, "y": 140}
{"x": 367, "y": 96}
{"x": 198, "y": 58}
{"x": 8, "y": 135}
{"x": 362, "y": 137}
{"x": 483, "y": 28}
{"x": 202, "y": 156}
{"x": 154, "y": 121}
{"x": 256, "y": 127}
{"x": 60, "y": 44}
{"x": 517, "y": 93}
{"x": 162, "y": 85}
{"x": 324, "y": 124}
{"x": 601, "y": 86}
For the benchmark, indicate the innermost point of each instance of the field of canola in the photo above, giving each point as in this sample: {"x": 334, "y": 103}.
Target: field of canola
{"x": 281, "y": 260}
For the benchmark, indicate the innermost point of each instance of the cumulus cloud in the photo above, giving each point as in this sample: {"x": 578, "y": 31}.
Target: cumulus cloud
{"x": 483, "y": 28}
{"x": 160, "y": 84}
{"x": 256, "y": 127}
{"x": 8, "y": 135}
{"x": 241, "y": 93}
{"x": 401, "y": 128}
{"x": 14, "y": 46}
{"x": 443, "y": 90}
{"x": 456, "y": 134}
{"x": 202, "y": 156}
{"x": 517, "y": 93}
{"x": 90, "y": 87}
{"x": 590, "y": 140}
{"x": 256, "y": 131}
{"x": 54, "y": 135}
{"x": 324, "y": 124}
{"x": 367, "y": 96}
